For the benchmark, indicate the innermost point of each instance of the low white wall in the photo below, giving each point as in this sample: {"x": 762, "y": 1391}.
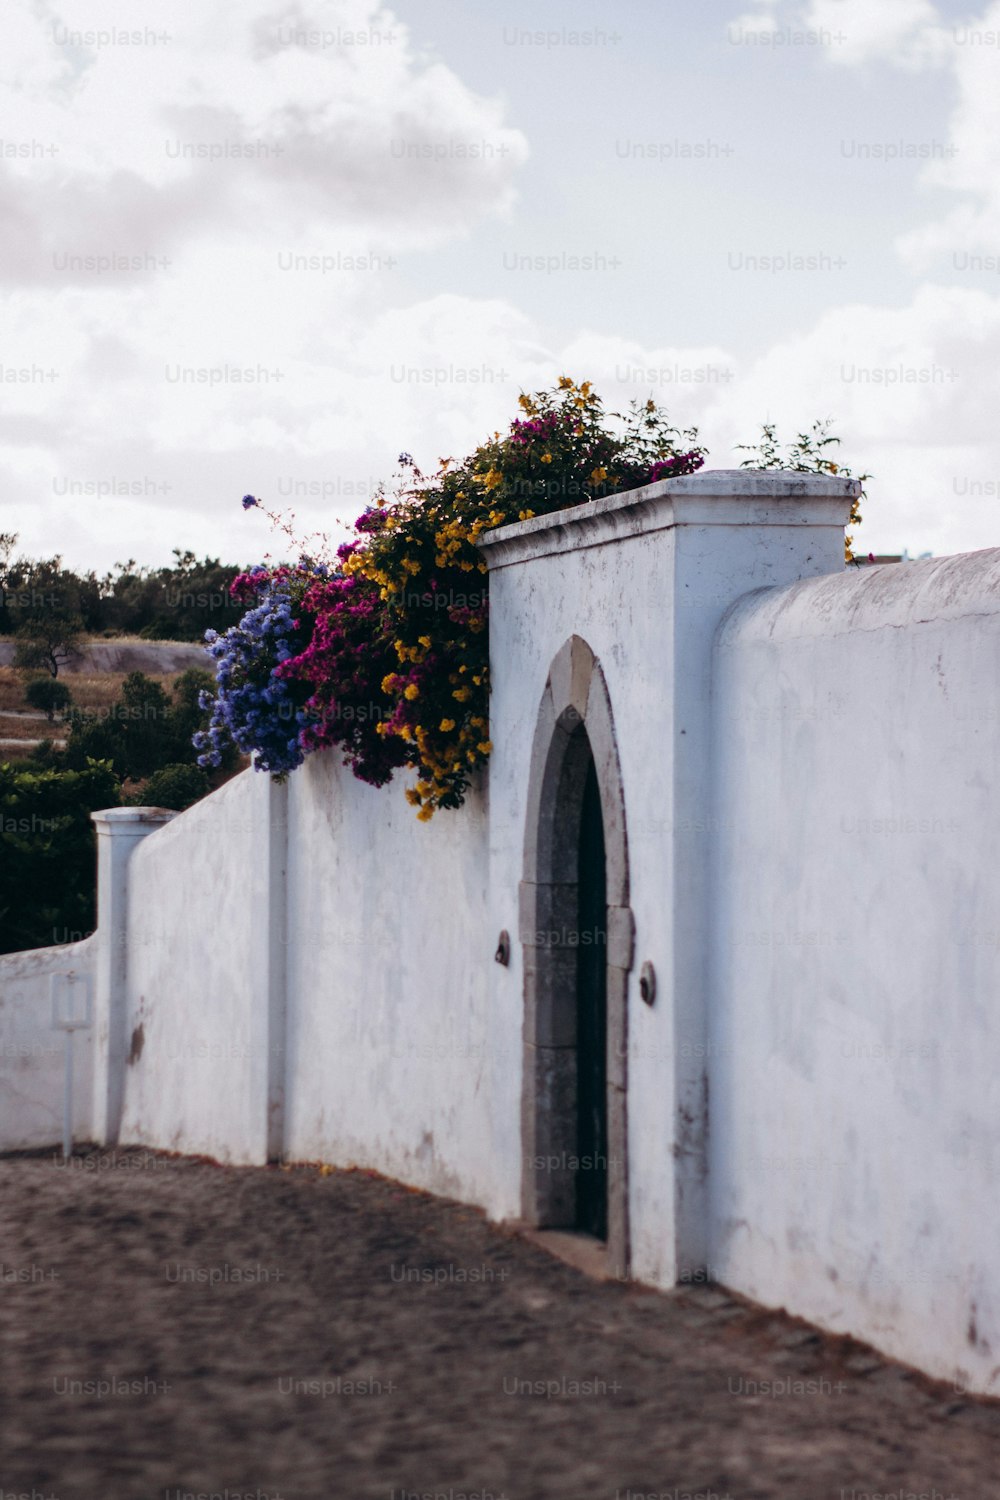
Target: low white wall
{"x": 395, "y": 1057}
{"x": 32, "y": 1052}
{"x": 854, "y": 1021}
{"x": 196, "y": 1021}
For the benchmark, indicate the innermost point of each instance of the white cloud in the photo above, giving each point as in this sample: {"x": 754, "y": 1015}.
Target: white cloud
{"x": 973, "y": 169}
{"x": 139, "y": 247}
{"x": 906, "y": 32}
{"x": 219, "y": 121}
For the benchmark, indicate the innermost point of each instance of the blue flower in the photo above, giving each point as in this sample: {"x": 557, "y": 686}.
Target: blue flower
{"x": 249, "y": 501}
{"x": 252, "y": 708}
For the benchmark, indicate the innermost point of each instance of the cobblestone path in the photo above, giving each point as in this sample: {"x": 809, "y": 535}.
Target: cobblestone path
{"x": 170, "y": 1328}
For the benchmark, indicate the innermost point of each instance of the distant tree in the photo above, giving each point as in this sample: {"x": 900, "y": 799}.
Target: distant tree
{"x": 145, "y": 730}
{"x": 47, "y": 864}
{"x": 42, "y": 606}
{"x": 176, "y": 786}
{"x": 47, "y": 694}
{"x": 145, "y": 726}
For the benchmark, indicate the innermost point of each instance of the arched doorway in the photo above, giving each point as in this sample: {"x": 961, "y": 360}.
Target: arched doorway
{"x": 576, "y": 932}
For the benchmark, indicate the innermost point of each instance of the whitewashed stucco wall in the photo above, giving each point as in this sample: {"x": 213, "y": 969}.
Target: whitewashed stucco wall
{"x": 32, "y": 1052}
{"x": 196, "y": 1022}
{"x": 644, "y": 579}
{"x": 814, "y": 1098}
{"x": 395, "y": 1059}
{"x": 855, "y": 1029}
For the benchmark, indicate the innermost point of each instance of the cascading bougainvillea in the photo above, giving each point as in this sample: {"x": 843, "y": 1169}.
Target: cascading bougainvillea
{"x": 384, "y": 652}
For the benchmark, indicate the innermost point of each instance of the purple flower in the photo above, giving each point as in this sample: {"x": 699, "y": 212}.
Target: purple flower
{"x": 249, "y": 501}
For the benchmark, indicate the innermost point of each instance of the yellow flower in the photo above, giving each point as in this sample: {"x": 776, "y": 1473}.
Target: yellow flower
{"x": 484, "y": 747}
{"x": 425, "y": 641}
{"x": 463, "y": 694}
{"x": 411, "y": 691}
{"x": 546, "y": 458}
{"x": 412, "y": 796}
{"x": 446, "y": 726}
{"x": 492, "y": 478}
{"x": 426, "y": 813}
{"x": 389, "y": 682}
{"x": 564, "y": 383}
{"x": 597, "y": 475}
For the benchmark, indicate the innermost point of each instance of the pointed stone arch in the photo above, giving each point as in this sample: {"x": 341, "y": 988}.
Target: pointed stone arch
{"x": 574, "y": 729}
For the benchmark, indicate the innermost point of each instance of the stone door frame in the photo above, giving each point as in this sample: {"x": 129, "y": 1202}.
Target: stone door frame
{"x": 575, "y": 698}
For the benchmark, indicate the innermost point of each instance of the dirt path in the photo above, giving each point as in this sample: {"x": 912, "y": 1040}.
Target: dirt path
{"x": 172, "y": 1328}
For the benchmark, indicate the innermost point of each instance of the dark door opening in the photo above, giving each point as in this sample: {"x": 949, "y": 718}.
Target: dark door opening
{"x": 591, "y": 1018}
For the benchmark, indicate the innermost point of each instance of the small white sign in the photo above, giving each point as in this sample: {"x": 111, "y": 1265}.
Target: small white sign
{"x": 71, "y": 1001}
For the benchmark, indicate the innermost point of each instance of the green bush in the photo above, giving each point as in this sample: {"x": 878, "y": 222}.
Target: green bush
{"x": 176, "y": 786}
{"x": 48, "y": 694}
{"x": 47, "y": 852}
{"x": 142, "y": 731}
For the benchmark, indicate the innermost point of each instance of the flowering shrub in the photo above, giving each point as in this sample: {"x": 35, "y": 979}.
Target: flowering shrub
{"x": 254, "y": 706}
{"x": 384, "y": 650}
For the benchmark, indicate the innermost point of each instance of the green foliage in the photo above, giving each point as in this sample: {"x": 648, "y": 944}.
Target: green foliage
{"x": 145, "y": 729}
{"x": 177, "y": 603}
{"x": 806, "y": 455}
{"x": 47, "y": 870}
{"x": 48, "y": 695}
{"x": 47, "y": 851}
{"x": 176, "y": 786}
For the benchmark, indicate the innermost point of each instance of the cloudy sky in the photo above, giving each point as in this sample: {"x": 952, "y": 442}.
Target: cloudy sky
{"x": 251, "y": 245}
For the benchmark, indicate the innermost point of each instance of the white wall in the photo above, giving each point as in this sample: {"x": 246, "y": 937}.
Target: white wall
{"x": 644, "y": 579}
{"x": 395, "y": 1057}
{"x": 813, "y": 832}
{"x": 196, "y": 1025}
{"x": 32, "y": 1052}
{"x": 855, "y": 1029}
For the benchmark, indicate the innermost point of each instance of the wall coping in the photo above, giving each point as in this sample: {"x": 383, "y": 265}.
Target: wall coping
{"x": 887, "y": 596}
{"x": 712, "y": 497}
{"x": 113, "y": 818}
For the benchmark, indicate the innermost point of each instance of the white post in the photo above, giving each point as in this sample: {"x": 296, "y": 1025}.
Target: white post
{"x": 119, "y": 831}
